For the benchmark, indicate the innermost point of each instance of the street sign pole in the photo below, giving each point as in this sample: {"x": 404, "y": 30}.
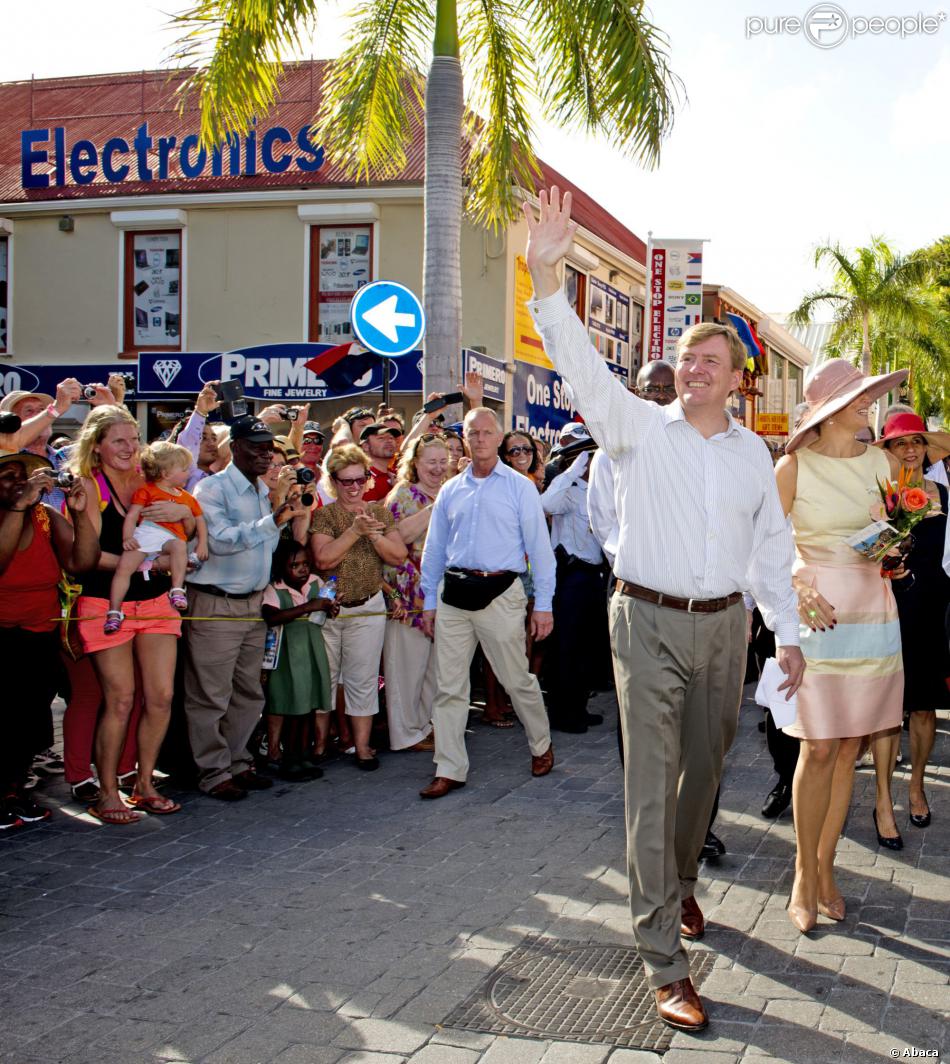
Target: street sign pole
{"x": 388, "y": 319}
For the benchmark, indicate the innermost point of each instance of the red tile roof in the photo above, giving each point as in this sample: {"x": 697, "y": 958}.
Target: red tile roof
{"x": 98, "y": 107}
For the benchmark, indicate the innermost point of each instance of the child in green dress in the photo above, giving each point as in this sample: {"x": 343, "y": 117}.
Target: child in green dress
{"x": 300, "y": 684}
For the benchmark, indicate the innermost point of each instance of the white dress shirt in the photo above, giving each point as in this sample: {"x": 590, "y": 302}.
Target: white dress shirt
{"x": 565, "y": 502}
{"x": 699, "y": 518}
{"x": 601, "y": 506}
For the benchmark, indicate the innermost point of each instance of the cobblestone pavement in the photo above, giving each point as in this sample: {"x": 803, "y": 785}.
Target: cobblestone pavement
{"x": 342, "y": 920}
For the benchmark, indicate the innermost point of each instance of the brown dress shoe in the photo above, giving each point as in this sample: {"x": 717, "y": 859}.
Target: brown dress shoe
{"x": 440, "y": 787}
{"x": 543, "y": 763}
{"x": 692, "y": 924}
{"x": 678, "y": 1005}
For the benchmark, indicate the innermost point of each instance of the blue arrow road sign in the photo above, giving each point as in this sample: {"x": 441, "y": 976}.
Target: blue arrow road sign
{"x": 387, "y": 318}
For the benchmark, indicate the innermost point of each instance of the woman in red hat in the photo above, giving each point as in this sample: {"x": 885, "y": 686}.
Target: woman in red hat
{"x": 850, "y": 634}
{"x": 922, "y": 600}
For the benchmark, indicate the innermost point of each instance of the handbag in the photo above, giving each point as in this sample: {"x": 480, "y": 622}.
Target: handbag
{"x": 471, "y": 591}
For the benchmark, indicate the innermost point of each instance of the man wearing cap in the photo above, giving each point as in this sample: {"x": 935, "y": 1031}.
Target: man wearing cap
{"x": 223, "y": 695}
{"x": 700, "y": 521}
{"x": 379, "y": 443}
{"x": 358, "y": 417}
{"x": 579, "y": 600}
{"x": 311, "y": 447}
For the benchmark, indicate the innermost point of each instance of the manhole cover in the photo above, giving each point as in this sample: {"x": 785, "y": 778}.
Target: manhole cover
{"x": 571, "y": 991}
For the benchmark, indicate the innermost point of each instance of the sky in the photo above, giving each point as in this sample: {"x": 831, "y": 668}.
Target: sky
{"x": 779, "y": 145}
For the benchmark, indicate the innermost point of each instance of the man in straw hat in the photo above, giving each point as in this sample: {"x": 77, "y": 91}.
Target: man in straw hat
{"x": 700, "y": 521}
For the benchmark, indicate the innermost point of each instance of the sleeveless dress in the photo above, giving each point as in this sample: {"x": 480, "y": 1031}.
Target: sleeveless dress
{"x": 854, "y": 682}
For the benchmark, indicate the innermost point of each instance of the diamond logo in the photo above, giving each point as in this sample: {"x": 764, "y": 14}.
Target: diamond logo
{"x": 167, "y": 369}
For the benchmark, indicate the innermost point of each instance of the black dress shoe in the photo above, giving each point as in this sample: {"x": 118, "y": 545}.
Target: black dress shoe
{"x": 889, "y": 842}
{"x": 593, "y": 719}
{"x": 778, "y": 800}
{"x": 572, "y": 727}
{"x": 712, "y": 847}
{"x": 919, "y": 820}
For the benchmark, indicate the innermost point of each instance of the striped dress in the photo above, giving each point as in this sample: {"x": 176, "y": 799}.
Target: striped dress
{"x": 854, "y": 682}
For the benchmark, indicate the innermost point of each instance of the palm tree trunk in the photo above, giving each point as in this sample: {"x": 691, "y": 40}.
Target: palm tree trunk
{"x": 442, "y": 282}
{"x": 866, "y": 347}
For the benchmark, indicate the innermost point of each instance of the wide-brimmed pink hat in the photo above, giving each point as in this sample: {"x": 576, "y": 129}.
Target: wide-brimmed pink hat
{"x": 832, "y": 386}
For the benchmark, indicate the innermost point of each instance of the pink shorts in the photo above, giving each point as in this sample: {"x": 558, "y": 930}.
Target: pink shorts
{"x": 139, "y": 619}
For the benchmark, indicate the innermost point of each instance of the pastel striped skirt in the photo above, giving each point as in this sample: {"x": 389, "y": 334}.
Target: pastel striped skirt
{"x": 854, "y": 680}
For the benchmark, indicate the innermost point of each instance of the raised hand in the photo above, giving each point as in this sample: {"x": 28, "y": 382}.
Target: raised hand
{"x": 473, "y": 388}
{"x": 550, "y": 236}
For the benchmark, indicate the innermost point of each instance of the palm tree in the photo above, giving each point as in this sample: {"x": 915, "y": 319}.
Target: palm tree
{"x": 597, "y": 66}
{"x": 872, "y": 289}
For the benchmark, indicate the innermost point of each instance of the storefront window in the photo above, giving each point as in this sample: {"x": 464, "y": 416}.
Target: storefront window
{"x": 4, "y": 313}
{"x": 341, "y": 262}
{"x": 153, "y": 276}
{"x": 575, "y": 288}
{"x": 794, "y": 386}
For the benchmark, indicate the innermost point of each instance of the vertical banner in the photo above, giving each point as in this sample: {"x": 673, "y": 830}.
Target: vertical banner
{"x": 527, "y": 346}
{"x": 609, "y": 325}
{"x": 675, "y": 293}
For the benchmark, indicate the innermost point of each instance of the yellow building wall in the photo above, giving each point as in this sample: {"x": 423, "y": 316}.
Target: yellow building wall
{"x": 65, "y": 290}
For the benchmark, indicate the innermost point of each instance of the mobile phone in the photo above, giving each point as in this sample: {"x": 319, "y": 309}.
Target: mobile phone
{"x": 445, "y": 400}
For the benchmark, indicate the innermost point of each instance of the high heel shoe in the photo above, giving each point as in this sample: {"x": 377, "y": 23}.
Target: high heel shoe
{"x": 889, "y": 842}
{"x": 834, "y": 908}
{"x": 921, "y": 820}
{"x": 802, "y": 918}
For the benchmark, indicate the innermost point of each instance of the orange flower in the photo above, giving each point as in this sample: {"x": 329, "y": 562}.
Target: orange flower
{"x": 914, "y": 499}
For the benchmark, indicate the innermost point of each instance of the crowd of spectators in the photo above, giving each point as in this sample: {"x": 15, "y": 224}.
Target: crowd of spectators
{"x": 260, "y": 580}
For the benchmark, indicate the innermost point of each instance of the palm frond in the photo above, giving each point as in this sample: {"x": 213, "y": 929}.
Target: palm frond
{"x": 498, "y": 124}
{"x": 802, "y": 314}
{"x": 235, "y": 47}
{"x": 374, "y": 89}
{"x": 604, "y": 70}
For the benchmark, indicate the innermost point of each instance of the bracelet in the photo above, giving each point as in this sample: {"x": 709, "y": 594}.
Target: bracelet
{"x": 51, "y": 411}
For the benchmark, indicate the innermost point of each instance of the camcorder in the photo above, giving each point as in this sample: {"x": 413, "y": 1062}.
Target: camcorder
{"x": 9, "y": 422}
{"x": 306, "y": 476}
{"x": 230, "y": 394}
{"x": 442, "y": 401}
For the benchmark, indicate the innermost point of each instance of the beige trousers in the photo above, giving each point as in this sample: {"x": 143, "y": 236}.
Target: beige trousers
{"x": 409, "y": 659}
{"x": 500, "y": 629}
{"x": 679, "y": 684}
{"x": 224, "y": 698}
{"x": 354, "y": 642}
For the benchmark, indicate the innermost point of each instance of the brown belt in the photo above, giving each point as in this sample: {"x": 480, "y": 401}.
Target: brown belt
{"x": 691, "y": 605}
{"x": 354, "y": 603}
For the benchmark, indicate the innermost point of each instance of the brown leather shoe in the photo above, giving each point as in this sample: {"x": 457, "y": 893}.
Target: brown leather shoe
{"x": 543, "y": 763}
{"x": 678, "y": 1005}
{"x": 692, "y": 924}
{"x": 227, "y": 791}
{"x": 440, "y": 787}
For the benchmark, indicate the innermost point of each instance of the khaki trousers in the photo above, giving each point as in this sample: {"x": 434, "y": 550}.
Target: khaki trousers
{"x": 224, "y": 698}
{"x": 354, "y": 644}
{"x": 500, "y": 630}
{"x": 409, "y": 658}
{"x": 679, "y": 684}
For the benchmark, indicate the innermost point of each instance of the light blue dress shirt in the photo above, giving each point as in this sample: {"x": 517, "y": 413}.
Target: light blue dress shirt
{"x": 242, "y": 535}
{"x": 489, "y": 523}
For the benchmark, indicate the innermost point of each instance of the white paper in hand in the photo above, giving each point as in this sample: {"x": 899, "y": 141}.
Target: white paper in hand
{"x": 767, "y": 694}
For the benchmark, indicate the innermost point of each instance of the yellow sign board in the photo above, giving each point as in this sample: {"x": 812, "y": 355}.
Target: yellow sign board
{"x": 528, "y": 346}
{"x": 771, "y": 424}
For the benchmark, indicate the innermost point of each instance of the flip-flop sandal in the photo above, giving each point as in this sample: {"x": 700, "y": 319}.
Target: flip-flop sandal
{"x": 118, "y": 817}
{"x": 153, "y": 805}
{"x": 498, "y": 722}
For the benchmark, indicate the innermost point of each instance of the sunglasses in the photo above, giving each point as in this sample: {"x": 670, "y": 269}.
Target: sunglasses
{"x": 512, "y": 451}
{"x": 351, "y": 482}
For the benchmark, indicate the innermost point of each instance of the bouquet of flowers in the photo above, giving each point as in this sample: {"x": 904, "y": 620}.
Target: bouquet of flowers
{"x": 904, "y": 504}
